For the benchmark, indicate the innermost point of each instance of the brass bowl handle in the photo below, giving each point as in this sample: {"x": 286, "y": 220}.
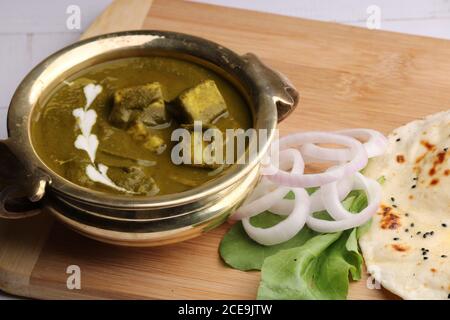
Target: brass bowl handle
{"x": 15, "y": 206}
{"x": 285, "y": 95}
{"x": 20, "y": 192}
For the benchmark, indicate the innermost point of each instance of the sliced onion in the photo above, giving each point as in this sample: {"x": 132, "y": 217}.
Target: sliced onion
{"x": 373, "y": 191}
{"x": 262, "y": 199}
{"x": 287, "y": 228}
{"x": 292, "y": 159}
{"x": 375, "y": 145}
{"x": 298, "y": 180}
{"x": 315, "y": 153}
{"x": 330, "y": 198}
{"x": 260, "y": 204}
{"x": 263, "y": 187}
{"x": 284, "y": 206}
{"x": 335, "y": 184}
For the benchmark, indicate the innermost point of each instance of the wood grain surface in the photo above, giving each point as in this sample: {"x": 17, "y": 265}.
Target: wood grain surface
{"x": 347, "y": 77}
{"x": 121, "y": 15}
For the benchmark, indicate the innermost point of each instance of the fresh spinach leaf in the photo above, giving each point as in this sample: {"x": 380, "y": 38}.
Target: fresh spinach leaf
{"x": 241, "y": 252}
{"x": 319, "y": 269}
{"x": 308, "y": 266}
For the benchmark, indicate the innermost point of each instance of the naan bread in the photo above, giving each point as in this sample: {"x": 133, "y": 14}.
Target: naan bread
{"x": 407, "y": 248}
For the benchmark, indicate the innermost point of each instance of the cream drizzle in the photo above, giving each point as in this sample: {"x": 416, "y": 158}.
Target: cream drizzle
{"x": 100, "y": 175}
{"x": 88, "y": 142}
{"x": 86, "y": 120}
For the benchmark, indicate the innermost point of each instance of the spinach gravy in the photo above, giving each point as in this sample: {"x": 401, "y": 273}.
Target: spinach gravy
{"x": 108, "y": 127}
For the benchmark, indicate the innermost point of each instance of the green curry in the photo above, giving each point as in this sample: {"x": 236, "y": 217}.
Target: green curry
{"x": 138, "y": 103}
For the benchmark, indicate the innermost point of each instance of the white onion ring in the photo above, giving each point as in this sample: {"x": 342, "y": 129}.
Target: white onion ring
{"x": 287, "y": 228}
{"x": 375, "y": 146}
{"x": 373, "y": 191}
{"x": 263, "y": 187}
{"x": 330, "y": 198}
{"x": 299, "y": 180}
{"x": 262, "y": 199}
{"x": 335, "y": 184}
{"x": 284, "y": 206}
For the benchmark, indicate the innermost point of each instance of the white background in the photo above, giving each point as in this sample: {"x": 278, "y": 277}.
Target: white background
{"x": 30, "y": 30}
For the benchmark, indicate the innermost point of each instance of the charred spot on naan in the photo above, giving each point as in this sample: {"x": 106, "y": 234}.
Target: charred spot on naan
{"x": 400, "y": 158}
{"x": 400, "y": 247}
{"x": 435, "y": 160}
{"x": 389, "y": 219}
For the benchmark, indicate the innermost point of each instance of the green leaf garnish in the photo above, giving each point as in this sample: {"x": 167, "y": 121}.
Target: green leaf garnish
{"x": 308, "y": 266}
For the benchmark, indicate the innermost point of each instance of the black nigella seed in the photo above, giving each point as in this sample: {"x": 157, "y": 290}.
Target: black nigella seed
{"x": 425, "y": 235}
{"x": 398, "y": 139}
{"x": 444, "y": 225}
{"x": 423, "y": 249}
{"x": 394, "y": 206}
{"x": 431, "y": 233}
{"x": 425, "y": 258}
{"x": 413, "y": 186}
{"x": 424, "y": 253}
{"x": 392, "y": 199}
{"x": 406, "y": 214}
{"x": 418, "y": 232}
{"x": 406, "y": 230}
{"x": 396, "y": 239}
{"x": 412, "y": 225}
{"x": 415, "y": 178}
{"x": 443, "y": 256}
{"x": 445, "y": 149}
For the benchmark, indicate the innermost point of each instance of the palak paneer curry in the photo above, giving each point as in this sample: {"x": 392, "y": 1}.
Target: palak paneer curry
{"x": 109, "y": 126}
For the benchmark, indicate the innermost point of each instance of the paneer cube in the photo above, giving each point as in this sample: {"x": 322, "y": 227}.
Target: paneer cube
{"x": 139, "y": 131}
{"x": 152, "y": 141}
{"x": 155, "y": 144}
{"x": 134, "y": 180}
{"x": 203, "y": 102}
{"x": 75, "y": 171}
{"x": 140, "y": 103}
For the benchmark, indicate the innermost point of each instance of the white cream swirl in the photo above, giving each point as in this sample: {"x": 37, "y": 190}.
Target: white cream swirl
{"x": 89, "y": 142}
{"x": 86, "y": 120}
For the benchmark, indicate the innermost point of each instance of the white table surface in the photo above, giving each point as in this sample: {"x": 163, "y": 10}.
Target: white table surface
{"x": 30, "y": 30}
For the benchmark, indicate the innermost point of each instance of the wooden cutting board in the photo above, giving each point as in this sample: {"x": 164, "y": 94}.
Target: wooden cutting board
{"x": 347, "y": 77}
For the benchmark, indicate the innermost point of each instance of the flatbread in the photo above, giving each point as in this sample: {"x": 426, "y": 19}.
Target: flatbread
{"x": 407, "y": 248}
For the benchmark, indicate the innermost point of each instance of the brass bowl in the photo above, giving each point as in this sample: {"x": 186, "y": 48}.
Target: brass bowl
{"x": 119, "y": 219}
